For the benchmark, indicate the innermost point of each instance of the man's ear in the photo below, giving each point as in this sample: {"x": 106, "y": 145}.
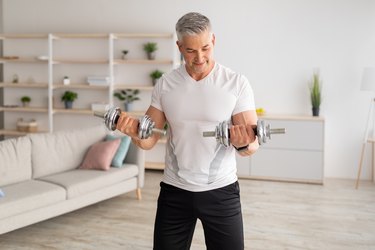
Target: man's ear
{"x": 179, "y": 45}
{"x": 213, "y": 39}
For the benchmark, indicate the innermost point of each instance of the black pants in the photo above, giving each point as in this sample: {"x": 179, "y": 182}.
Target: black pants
{"x": 219, "y": 211}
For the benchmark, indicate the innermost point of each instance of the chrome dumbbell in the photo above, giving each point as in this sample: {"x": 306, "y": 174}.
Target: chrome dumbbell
{"x": 146, "y": 126}
{"x": 262, "y": 131}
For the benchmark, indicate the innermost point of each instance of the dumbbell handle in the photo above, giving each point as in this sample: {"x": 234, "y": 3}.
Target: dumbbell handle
{"x": 277, "y": 131}
{"x": 159, "y": 131}
{"x": 117, "y": 116}
{"x": 272, "y": 131}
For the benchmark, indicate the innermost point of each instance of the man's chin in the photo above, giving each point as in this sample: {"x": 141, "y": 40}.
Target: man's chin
{"x": 200, "y": 68}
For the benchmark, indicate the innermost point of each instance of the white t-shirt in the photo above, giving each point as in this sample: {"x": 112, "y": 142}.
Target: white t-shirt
{"x": 191, "y": 107}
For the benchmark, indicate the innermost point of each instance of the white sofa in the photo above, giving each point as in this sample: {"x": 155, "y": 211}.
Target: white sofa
{"x": 40, "y": 178}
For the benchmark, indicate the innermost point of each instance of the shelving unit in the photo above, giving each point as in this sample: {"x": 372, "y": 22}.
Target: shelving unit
{"x": 41, "y": 60}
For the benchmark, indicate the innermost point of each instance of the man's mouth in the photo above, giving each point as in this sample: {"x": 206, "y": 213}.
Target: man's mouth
{"x": 199, "y": 64}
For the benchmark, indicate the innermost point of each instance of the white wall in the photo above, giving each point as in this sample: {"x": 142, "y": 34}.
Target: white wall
{"x": 276, "y": 43}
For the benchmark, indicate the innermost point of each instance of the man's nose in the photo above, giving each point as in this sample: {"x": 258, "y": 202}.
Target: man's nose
{"x": 199, "y": 56}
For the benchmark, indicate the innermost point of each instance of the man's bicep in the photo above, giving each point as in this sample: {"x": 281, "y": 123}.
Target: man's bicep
{"x": 157, "y": 116}
{"x": 245, "y": 118}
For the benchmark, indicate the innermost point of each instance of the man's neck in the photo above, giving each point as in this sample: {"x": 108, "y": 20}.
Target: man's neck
{"x": 200, "y": 76}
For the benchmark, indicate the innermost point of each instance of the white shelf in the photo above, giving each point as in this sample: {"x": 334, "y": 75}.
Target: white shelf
{"x": 142, "y": 35}
{"x": 9, "y": 132}
{"x": 74, "y": 111}
{"x": 80, "y": 86}
{"x": 91, "y": 61}
{"x": 23, "y": 36}
{"x": 291, "y": 117}
{"x": 80, "y": 36}
{"x": 142, "y": 61}
{"x": 23, "y": 60}
{"x": 24, "y": 85}
{"x": 133, "y": 86}
{"x": 24, "y": 109}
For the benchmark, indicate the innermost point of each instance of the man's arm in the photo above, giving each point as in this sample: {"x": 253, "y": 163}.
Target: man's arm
{"x": 242, "y": 134}
{"x": 129, "y": 125}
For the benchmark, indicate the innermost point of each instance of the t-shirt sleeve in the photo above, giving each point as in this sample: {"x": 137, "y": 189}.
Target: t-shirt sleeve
{"x": 156, "y": 95}
{"x": 245, "y": 100}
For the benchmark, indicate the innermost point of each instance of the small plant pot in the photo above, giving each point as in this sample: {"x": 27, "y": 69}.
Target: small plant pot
{"x": 26, "y": 104}
{"x": 154, "y": 81}
{"x": 128, "y": 106}
{"x": 68, "y": 104}
{"x": 315, "y": 111}
{"x": 151, "y": 55}
{"x": 66, "y": 81}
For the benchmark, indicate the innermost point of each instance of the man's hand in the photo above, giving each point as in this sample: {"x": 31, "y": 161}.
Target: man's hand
{"x": 241, "y": 135}
{"x": 128, "y": 125}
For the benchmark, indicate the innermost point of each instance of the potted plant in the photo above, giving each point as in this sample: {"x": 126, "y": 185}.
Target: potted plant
{"x": 68, "y": 98}
{"x": 128, "y": 96}
{"x": 155, "y": 75}
{"x": 150, "y": 49}
{"x": 66, "y": 80}
{"x": 124, "y": 53}
{"x": 315, "y": 94}
{"x": 15, "y": 78}
{"x": 25, "y": 101}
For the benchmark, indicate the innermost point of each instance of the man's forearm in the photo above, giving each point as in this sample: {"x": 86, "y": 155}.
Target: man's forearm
{"x": 251, "y": 149}
{"x": 145, "y": 144}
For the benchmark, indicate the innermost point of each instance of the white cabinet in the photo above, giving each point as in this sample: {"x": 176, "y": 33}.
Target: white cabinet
{"x": 296, "y": 156}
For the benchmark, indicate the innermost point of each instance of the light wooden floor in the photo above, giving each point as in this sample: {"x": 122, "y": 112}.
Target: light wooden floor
{"x": 276, "y": 216}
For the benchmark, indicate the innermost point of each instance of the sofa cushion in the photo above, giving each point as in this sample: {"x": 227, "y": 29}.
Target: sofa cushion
{"x": 100, "y": 155}
{"x": 15, "y": 160}
{"x": 63, "y": 150}
{"x": 82, "y": 181}
{"x": 122, "y": 150}
{"x": 29, "y": 195}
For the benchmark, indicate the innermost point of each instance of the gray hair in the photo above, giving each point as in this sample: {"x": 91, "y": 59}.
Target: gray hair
{"x": 192, "y": 23}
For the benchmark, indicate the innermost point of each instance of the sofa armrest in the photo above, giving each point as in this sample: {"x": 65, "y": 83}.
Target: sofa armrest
{"x": 136, "y": 156}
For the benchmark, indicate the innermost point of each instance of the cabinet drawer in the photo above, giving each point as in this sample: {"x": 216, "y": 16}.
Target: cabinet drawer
{"x": 287, "y": 164}
{"x": 299, "y": 135}
{"x": 243, "y": 165}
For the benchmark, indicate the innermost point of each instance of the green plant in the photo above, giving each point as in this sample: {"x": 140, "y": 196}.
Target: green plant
{"x": 150, "y": 47}
{"x": 156, "y": 74}
{"x": 316, "y": 91}
{"x": 127, "y": 95}
{"x": 125, "y": 52}
{"x": 69, "y": 96}
{"x": 25, "y": 99}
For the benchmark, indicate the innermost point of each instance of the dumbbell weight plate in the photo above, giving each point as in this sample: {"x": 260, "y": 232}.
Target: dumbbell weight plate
{"x": 146, "y": 126}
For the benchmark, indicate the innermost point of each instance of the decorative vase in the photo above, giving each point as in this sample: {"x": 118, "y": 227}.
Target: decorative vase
{"x": 315, "y": 111}
{"x": 66, "y": 81}
{"x": 68, "y": 104}
{"x": 128, "y": 106}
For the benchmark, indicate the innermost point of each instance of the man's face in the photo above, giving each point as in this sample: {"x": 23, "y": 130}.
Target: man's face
{"x": 198, "y": 53}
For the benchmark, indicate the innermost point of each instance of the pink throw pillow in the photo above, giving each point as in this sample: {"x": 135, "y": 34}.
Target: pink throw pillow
{"x": 100, "y": 155}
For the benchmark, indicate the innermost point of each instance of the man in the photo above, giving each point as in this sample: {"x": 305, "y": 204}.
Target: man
{"x": 200, "y": 180}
